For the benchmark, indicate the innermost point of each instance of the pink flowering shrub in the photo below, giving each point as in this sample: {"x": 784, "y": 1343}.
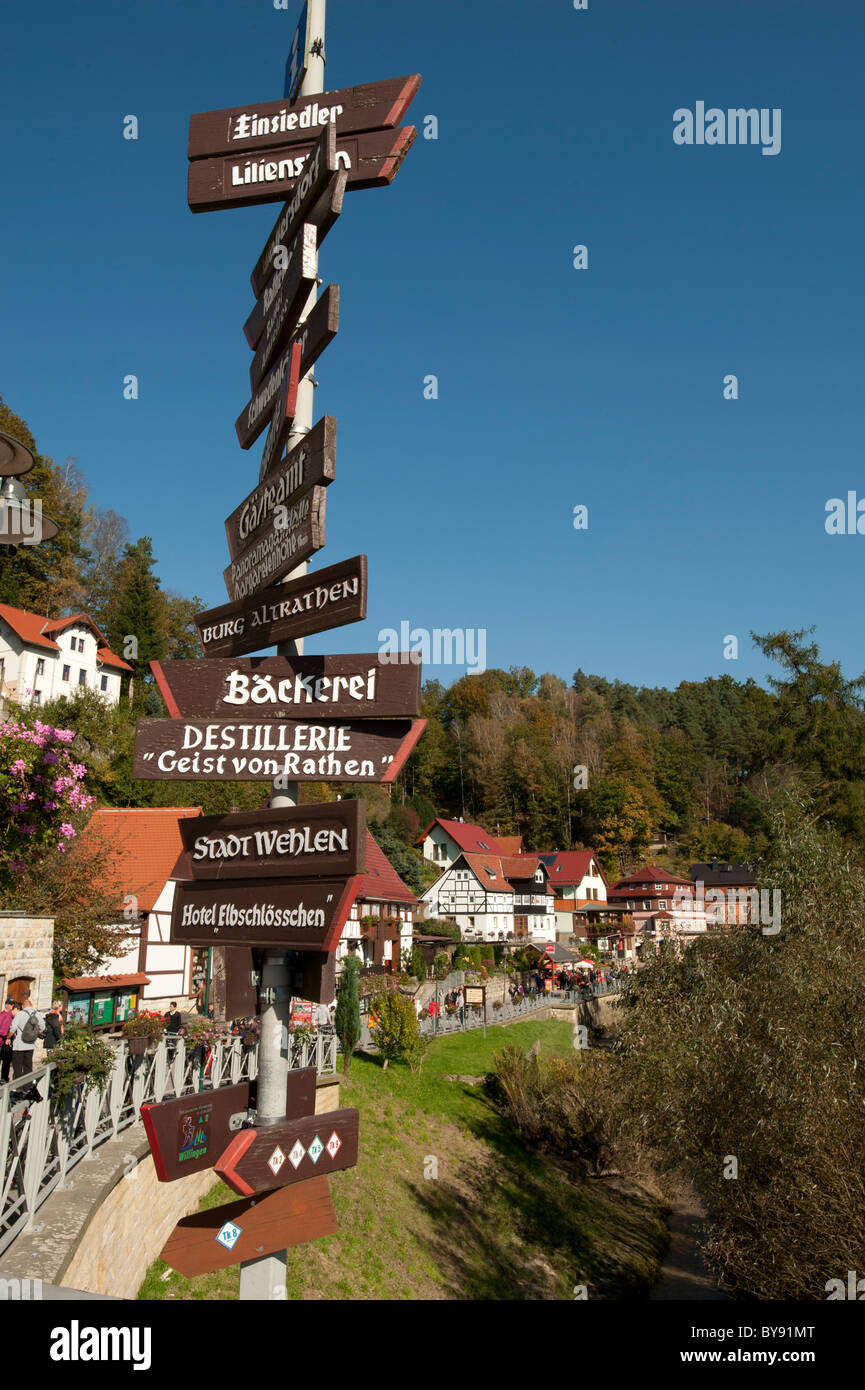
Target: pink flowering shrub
{"x": 41, "y": 795}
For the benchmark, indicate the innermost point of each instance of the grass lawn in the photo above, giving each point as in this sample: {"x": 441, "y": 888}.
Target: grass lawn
{"x": 444, "y": 1204}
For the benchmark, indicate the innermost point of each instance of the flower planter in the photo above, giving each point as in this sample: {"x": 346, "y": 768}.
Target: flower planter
{"x": 137, "y": 1046}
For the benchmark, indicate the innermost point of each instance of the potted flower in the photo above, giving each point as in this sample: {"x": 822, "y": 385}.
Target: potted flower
{"x": 201, "y": 1035}
{"x": 249, "y": 1032}
{"x": 82, "y": 1058}
{"x": 142, "y": 1029}
{"x": 497, "y": 1004}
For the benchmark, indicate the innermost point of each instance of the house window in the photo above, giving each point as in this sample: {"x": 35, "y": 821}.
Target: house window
{"x": 646, "y": 904}
{"x": 40, "y": 666}
{"x": 103, "y": 683}
{"x": 66, "y": 673}
{"x": 37, "y": 697}
{"x": 81, "y": 644}
{"x": 662, "y": 904}
{"x": 82, "y": 677}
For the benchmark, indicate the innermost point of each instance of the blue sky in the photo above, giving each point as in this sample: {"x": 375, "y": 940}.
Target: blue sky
{"x": 557, "y": 387}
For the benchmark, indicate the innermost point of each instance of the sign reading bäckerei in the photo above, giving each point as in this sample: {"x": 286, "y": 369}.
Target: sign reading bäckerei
{"x": 282, "y": 686}
{"x": 283, "y": 841}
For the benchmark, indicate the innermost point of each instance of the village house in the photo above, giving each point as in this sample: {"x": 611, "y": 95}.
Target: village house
{"x": 729, "y": 891}
{"x": 380, "y": 923}
{"x": 662, "y": 904}
{"x": 444, "y": 841}
{"x": 42, "y": 659}
{"x": 494, "y": 897}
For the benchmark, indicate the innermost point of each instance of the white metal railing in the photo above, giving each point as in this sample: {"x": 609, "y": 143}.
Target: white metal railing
{"x": 40, "y": 1141}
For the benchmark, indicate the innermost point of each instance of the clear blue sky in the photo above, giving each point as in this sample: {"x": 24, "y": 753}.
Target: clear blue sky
{"x": 557, "y": 386}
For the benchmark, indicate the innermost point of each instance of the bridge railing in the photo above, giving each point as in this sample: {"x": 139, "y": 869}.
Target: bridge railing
{"x": 41, "y": 1140}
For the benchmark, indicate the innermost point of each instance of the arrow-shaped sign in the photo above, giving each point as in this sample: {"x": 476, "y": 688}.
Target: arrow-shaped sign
{"x": 294, "y": 285}
{"x": 372, "y": 160}
{"x": 258, "y": 1160}
{"x": 299, "y": 914}
{"x": 313, "y": 335}
{"x": 311, "y": 462}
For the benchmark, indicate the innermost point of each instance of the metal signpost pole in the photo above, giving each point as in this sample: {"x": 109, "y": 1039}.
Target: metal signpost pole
{"x": 264, "y": 1278}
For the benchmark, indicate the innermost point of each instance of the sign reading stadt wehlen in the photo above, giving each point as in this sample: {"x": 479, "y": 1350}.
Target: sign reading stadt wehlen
{"x": 282, "y": 841}
{"x": 328, "y": 750}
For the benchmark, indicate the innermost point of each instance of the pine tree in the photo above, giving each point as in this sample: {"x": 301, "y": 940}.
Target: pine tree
{"x": 139, "y": 612}
{"x": 346, "y": 1020}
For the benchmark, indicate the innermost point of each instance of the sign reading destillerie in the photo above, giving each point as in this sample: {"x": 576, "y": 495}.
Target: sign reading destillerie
{"x": 284, "y": 841}
{"x": 316, "y": 602}
{"x": 283, "y": 687}
{"x": 371, "y": 160}
{"x": 300, "y": 914}
{"x": 328, "y": 750}
{"x": 371, "y": 106}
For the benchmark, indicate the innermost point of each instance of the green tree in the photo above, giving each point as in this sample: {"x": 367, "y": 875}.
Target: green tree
{"x": 396, "y": 1031}
{"x": 139, "y": 612}
{"x": 346, "y": 1020}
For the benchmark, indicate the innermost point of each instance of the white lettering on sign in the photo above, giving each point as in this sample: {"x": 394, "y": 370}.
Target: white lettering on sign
{"x": 277, "y": 170}
{"x": 249, "y": 124}
{"x": 300, "y": 690}
{"x": 284, "y": 843}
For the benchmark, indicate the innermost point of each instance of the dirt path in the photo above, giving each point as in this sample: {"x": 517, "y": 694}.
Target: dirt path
{"x": 684, "y": 1274}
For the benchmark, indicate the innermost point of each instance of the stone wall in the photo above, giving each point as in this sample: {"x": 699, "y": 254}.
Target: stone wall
{"x": 26, "y": 948}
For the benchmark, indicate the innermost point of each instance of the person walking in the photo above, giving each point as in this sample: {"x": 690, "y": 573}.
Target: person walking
{"x": 54, "y": 1026}
{"x": 6, "y": 1019}
{"x": 28, "y": 1026}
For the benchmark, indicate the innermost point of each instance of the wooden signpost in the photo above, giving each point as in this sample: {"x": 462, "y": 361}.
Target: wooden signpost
{"x": 327, "y": 750}
{"x": 257, "y": 1160}
{"x": 282, "y": 418}
{"x": 295, "y": 283}
{"x": 308, "y": 202}
{"x": 326, "y": 839}
{"x": 187, "y": 1135}
{"x": 316, "y": 602}
{"x": 371, "y": 160}
{"x": 371, "y": 106}
{"x": 250, "y": 1228}
{"x": 291, "y": 536}
{"x": 300, "y": 914}
{"x": 321, "y": 216}
{"x": 314, "y": 334}
{"x": 282, "y": 686}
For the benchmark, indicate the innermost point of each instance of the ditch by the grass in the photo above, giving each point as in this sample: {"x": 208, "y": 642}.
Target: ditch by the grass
{"x": 445, "y": 1204}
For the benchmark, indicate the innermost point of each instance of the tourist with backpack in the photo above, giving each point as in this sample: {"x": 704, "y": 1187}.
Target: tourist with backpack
{"x": 7, "y": 1018}
{"x": 28, "y": 1026}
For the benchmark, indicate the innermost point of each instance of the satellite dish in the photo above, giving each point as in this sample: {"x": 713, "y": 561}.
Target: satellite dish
{"x": 15, "y": 457}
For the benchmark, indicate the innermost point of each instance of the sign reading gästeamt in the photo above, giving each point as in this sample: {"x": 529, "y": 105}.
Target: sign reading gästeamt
{"x": 371, "y": 106}
{"x": 328, "y": 750}
{"x": 317, "y": 602}
{"x": 282, "y": 687}
{"x": 311, "y": 462}
{"x": 371, "y": 160}
{"x": 327, "y": 839}
{"x": 300, "y": 914}
{"x": 295, "y": 533}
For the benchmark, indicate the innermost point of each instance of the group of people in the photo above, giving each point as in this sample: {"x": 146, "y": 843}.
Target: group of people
{"x": 21, "y": 1027}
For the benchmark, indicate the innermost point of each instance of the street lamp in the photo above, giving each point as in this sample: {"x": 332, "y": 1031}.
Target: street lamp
{"x": 21, "y": 523}
{"x": 15, "y": 457}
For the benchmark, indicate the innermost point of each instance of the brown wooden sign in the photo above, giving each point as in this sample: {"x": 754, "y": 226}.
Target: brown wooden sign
{"x": 373, "y": 106}
{"x": 188, "y": 1134}
{"x": 258, "y": 1160}
{"x": 283, "y": 412}
{"x": 312, "y": 461}
{"x": 314, "y": 975}
{"x": 233, "y": 991}
{"x": 249, "y": 1228}
{"x": 282, "y": 686}
{"x": 295, "y": 283}
{"x": 308, "y": 201}
{"x": 303, "y": 914}
{"x": 324, "y": 750}
{"x": 321, "y": 216}
{"x": 318, "y": 602}
{"x": 292, "y": 535}
{"x": 280, "y": 842}
{"x": 314, "y": 334}
{"x": 371, "y": 160}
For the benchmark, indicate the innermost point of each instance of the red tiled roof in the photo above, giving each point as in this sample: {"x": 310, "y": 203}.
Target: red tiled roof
{"x": 145, "y": 844}
{"x": 519, "y": 865}
{"x": 36, "y": 631}
{"x": 472, "y": 839}
{"x": 81, "y": 982}
{"x": 28, "y": 626}
{"x": 381, "y": 882}
{"x": 571, "y": 866}
{"x": 652, "y": 873}
{"x": 511, "y": 844}
{"x": 483, "y": 866}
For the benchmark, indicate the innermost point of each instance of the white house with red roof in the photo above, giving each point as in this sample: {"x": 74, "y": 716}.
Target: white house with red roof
{"x": 444, "y": 841}
{"x": 495, "y": 897}
{"x": 42, "y": 659}
{"x": 145, "y": 846}
{"x": 390, "y": 903}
